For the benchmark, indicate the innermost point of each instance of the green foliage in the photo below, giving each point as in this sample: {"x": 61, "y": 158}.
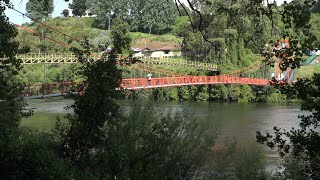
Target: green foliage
{"x": 108, "y": 10}
{"x": 92, "y": 111}
{"x": 280, "y": 93}
{"x": 120, "y": 36}
{"x": 160, "y": 94}
{"x": 232, "y": 161}
{"x": 150, "y": 144}
{"x": 11, "y": 104}
{"x": 293, "y": 169}
{"x": 234, "y": 92}
{"x": 142, "y": 94}
{"x": 142, "y": 15}
{"x": 316, "y": 7}
{"x": 227, "y": 93}
{"x": 78, "y": 7}
{"x": 246, "y": 95}
{"x": 276, "y": 97}
{"x": 65, "y": 12}
{"x": 180, "y": 25}
{"x": 301, "y": 142}
{"x": 162, "y": 38}
{"x": 219, "y": 92}
{"x": 315, "y": 19}
{"x": 28, "y": 155}
{"x": 44, "y": 73}
{"x": 39, "y": 9}
{"x": 153, "y": 15}
{"x": 173, "y": 94}
{"x": 23, "y": 154}
{"x": 184, "y": 93}
{"x": 202, "y": 94}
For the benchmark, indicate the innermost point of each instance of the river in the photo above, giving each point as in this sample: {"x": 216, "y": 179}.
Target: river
{"x": 233, "y": 119}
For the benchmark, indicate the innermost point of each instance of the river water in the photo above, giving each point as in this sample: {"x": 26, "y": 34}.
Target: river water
{"x": 234, "y": 120}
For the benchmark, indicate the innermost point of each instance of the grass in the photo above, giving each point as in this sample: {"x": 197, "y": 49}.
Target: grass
{"x": 152, "y": 37}
{"x": 306, "y": 71}
{"x": 80, "y": 27}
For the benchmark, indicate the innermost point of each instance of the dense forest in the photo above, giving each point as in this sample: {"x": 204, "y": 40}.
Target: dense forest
{"x": 99, "y": 140}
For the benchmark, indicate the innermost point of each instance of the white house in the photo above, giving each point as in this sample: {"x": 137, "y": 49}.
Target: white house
{"x": 166, "y": 51}
{"x": 139, "y": 52}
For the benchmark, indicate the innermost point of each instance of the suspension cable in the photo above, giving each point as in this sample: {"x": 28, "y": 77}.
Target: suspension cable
{"x": 48, "y": 26}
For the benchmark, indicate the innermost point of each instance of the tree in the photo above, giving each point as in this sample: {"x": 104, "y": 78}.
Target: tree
{"x": 86, "y": 140}
{"x": 301, "y": 143}
{"x": 39, "y": 9}
{"x": 142, "y": 15}
{"x": 316, "y": 7}
{"x": 120, "y": 36}
{"x": 153, "y": 15}
{"x": 11, "y": 104}
{"x": 78, "y": 7}
{"x": 108, "y": 10}
{"x": 65, "y": 12}
{"x": 22, "y": 153}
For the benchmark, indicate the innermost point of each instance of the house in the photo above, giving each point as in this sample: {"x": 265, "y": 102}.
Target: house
{"x": 165, "y": 51}
{"x": 139, "y": 52}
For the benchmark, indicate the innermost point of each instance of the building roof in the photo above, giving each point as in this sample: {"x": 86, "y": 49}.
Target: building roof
{"x": 140, "y": 49}
{"x": 168, "y": 48}
{"x": 154, "y": 45}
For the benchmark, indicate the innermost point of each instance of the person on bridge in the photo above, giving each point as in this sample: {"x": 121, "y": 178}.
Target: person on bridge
{"x": 149, "y": 77}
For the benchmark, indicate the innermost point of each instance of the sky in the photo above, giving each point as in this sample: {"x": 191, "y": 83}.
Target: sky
{"x": 17, "y": 18}
{"x": 59, "y": 6}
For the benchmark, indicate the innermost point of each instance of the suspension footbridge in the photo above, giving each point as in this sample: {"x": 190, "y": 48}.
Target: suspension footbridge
{"x": 256, "y": 74}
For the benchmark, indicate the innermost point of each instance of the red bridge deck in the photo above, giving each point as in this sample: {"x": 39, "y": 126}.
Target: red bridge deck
{"x": 142, "y": 83}
{"x": 63, "y": 88}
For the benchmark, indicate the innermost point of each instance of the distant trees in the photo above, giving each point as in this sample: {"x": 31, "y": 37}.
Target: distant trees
{"x": 78, "y": 7}
{"x": 39, "y": 9}
{"x": 153, "y": 16}
{"x": 65, "y": 12}
{"x": 109, "y": 9}
{"x": 120, "y": 36}
{"x": 316, "y": 7}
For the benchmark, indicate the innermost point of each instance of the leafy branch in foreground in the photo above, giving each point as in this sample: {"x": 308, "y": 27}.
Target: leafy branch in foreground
{"x": 302, "y": 143}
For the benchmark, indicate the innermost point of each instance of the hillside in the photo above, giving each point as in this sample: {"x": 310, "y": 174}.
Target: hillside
{"x": 84, "y": 27}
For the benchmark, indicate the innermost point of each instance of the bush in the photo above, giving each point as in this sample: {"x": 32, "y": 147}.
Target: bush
{"x": 276, "y": 97}
{"x": 30, "y": 155}
{"x": 232, "y": 161}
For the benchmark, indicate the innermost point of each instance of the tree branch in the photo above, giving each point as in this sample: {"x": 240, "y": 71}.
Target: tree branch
{"x": 199, "y": 28}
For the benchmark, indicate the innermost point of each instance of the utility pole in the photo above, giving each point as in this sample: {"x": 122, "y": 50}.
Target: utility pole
{"x": 109, "y": 24}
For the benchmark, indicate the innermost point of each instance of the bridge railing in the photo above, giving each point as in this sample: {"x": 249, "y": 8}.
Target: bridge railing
{"x": 33, "y": 58}
{"x": 61, "y": 88}
{"x": 64, "y": 88}
{"x": 143, "y": 83}
{"x": 175, "y": 61}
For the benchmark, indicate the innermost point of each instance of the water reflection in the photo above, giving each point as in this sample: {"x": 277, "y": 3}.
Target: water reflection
{"x": 232, "y": 119}
{"x": 235, "y": 120}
